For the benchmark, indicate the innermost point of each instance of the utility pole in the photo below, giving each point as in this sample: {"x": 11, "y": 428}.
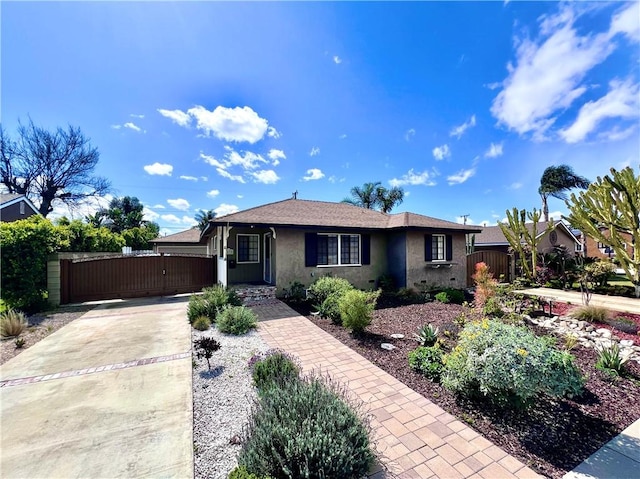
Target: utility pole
{"x": 464, "y": 219}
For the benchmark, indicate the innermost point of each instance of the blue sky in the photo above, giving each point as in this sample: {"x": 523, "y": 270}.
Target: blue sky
{"x": 226, "y": 106}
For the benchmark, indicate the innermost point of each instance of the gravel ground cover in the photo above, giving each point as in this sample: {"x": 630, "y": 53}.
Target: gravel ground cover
{"x": 552, "y": 438}
{"x": 40, "y": 326}
{"x": 222, "y": 400}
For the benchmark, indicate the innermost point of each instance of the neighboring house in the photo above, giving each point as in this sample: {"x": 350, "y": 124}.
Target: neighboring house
{"x": 492, "y": 238}
{"x": 14, "y": 207}
{"x": 596, "y": 249}
{"x": 185, "y": 242}
{"x": 301, "y": 240}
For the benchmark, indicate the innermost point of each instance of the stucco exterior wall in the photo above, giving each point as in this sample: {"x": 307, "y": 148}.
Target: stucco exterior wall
{"x": 419, "y": 272}
{"x": 289, "y": 247}
{"x": 545, "y": 245}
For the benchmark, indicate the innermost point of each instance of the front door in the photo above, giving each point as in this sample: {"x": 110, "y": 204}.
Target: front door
{"x": 267, "y": 258}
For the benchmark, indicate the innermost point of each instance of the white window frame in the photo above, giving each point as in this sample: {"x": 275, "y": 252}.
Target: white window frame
{"x": 444, "y": 248}
{"x": 340, "y": 264}
{"x": 257, "y": 236}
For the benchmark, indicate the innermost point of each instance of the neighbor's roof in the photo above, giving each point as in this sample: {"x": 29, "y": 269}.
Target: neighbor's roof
{"x": 492, "y": 235}
{"x": 189, "y": 236}
{"x": 8, "y": 199}
{"x": 295, "y": 212}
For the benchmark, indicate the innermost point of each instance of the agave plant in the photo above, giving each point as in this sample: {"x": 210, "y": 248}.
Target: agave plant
{"x": 610, "y": 359}
{"x": 427, "y": 335}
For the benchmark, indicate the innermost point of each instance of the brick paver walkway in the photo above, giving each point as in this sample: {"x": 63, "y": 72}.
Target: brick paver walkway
{"x": 415, "y": 437}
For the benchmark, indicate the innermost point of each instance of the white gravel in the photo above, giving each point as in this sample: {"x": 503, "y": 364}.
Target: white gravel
{"x": 221, "y": 401}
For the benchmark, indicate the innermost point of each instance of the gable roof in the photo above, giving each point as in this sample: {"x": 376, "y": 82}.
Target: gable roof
{"x": 300, "y": 213}
{"x": 492, "y": 235}
{"x": 8, "y": 199}
{"x": 191, "y": 235}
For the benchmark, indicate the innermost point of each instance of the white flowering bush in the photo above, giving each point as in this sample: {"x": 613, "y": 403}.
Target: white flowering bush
{"x": 509, "y": 365}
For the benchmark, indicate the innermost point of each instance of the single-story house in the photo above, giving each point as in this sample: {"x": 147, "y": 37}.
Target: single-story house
{"x": 14, "y": 207}
{"x": 492, "y": 238}
{"x": 301, "y": 240}
{"x": 184, "y": 242}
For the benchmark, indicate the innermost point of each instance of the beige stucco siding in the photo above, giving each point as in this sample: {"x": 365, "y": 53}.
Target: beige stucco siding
{"x": 421, "y": 272}
{"x": 290, "y": 251}
{"x": 545, "y": 245}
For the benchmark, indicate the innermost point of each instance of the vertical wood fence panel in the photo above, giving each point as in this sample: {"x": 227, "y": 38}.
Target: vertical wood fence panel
{"x": 497, "y": 261}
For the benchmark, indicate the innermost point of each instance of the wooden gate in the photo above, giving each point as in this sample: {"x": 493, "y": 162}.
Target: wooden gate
{"x": 497, "y": 261}
{"x": 134, "y": 277}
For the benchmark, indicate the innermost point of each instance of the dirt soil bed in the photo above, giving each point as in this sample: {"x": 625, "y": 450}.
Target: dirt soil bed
{"x": 553, "y": 437}
{"x": 40, "y": 326}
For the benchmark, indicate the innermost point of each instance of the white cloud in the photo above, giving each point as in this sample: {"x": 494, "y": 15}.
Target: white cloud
{"x": 230, "y": 124}
{"x": 495, "y": 150}
{"x": 461, "y": 176}
{"x": 150, "y": 215}
{"x": 273, "y": 133}
{"x": 225, "y": 209}
{"x": 410, "y": 134}
{"x": 412, "y": 178}
{"x": 313, "y": 174}
{"x": 441, "y": 152}
{"x": 225, "y": 174}
{"x": 240, "y": 196}
{"x": 268, "y": 177}
{"x": 337, "y": 60}
{"x": 189, "y": 178}
{"x": 177, "y": 116}
{"x": 158, "y": 206}
{"x": 459, "y": 130}
{"x": 515, "y": 186}
{"x": 189, "y": 221}
{"x": 170, "y": 219}
{"x": 179, "y": 204}
{"x": 276, "y": 156}
{"x": 133, "y": 115}
{"x": 627, "y": 22}
{"x": 343, "y": 136}
{"x": 615, "y": 134}
{"x": 548, "y": 74}
{"x": 162, "y": 169}
{"x": 335, "y": 179}
{"x": 247, "y": 159}
{"x": 116, "y": 127}
{"x": 89, "y": 206}
{"x": 213, "y": 193}
{"x": 212, "y": 161}
{"x": 622, "y": 101}
{"x": 132, "y": 126}
{"x": 314, "y": 151}
{"x": 204, "y": 178}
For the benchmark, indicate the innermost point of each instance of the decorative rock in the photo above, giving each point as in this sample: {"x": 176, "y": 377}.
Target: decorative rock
{"x": 388, "y": 346}
{"x": 588, "y": 329}
{"x": 604, "y": 332}
{"x": 397, "y": 336}
{"x": 625, "y": 343}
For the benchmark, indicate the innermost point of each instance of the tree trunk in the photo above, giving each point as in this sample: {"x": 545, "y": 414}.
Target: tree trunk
{"x": 545, "y": 208}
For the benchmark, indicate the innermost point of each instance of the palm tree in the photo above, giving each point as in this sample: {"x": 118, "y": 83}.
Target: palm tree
{"x": 556, "y": 181}
{"x": 365, "y": 197}
{"x": 388, "y": 199}
{"x": 203, "y": 218}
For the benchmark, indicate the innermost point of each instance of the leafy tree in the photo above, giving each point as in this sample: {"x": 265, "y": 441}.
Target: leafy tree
{"x": 203, "y": 218}
{"x": 50, "y": 166}
{"x": 123, "y": 214}
{"x": 524, "y": 240}
{"x": 555, "y": 182}
{"x": 138, "y": 238}
{"x": 612, "y": 203}
{"x": 373, "y": 196}
{"x": 84, "y": 237}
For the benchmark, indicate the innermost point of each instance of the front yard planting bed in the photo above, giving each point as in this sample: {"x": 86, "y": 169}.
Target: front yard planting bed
{"x": 552, "y": 437}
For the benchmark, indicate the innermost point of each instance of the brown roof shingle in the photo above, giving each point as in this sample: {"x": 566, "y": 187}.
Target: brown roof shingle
{"x": 189, "y": 236}
{"x": 492, "y": 235}
{"x": 295, "y": 212}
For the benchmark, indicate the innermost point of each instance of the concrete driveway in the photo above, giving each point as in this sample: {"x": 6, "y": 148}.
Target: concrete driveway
{"x": 107, "y": 396}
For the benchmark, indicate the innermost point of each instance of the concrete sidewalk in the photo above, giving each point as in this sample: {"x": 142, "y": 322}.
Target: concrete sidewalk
{"x": 109, "y": 395}
{"x": 617, "y": 303}
{"x": 416, "y": 438}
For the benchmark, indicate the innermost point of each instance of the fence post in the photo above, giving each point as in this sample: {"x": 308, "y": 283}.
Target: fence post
{"x": 53, "y": 279}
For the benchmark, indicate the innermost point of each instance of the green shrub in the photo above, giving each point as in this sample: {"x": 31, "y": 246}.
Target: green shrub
{"x": 273, "y": 368}
{"x": 356, "y": 309}
{"x": 236, "y": 320}
{"x": 330, "y": 307}
{"x": 202, "y": 323}
{"x": 509, "y": 365}
{"x": 199, "y": 306}
{"x": 219, "y": 297}
{"x": 492, "y": 307}
{"x": 26, "y": 244}
{"x": 427, "y": 361}
{"x": 12, "y": 323}
{"x": 591, "y": 313}
{"x": 296, "y": 292}
{"x": 610, "y": 359}
{"x": 325, "y": 286}
{"x": 386, "y": 283}
{"x": 241, "y": 472}
{"x": 443, "y": 297}
{"x": 427, "y": 335}
{"x": 307, "y": 429}
{"x": 84, "y": 237}
{"x": 410, "y": 295}
{"x": 205, "y": 347}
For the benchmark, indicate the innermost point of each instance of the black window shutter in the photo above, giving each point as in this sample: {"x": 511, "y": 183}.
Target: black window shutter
{"x": 310, "y": 249}
{"x": 427, "y": 248}
{"x": 366, "y": 249}
{"x": 449, "y": 247}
